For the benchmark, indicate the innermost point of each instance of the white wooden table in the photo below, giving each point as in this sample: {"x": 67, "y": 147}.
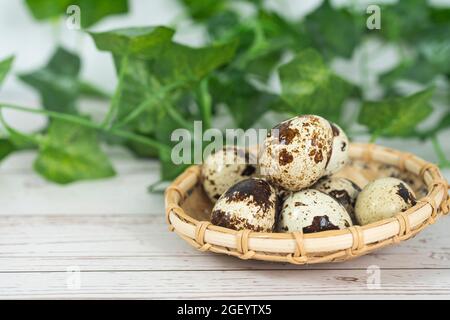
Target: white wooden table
{"x": 113, "y": 232}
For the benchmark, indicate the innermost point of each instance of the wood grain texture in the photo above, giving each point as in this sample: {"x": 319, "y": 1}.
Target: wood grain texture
{"x": 246, "y": 284}
{"x": 136, "y": 257}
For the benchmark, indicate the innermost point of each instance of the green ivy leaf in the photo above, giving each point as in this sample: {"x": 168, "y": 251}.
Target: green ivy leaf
{"x": 203, "y": 10}
{"x": 417, "y": 70}
{"x": 403, "y": 20}
{"x": 182, "y": 63}
{"x": 161, "y": 58}
{"x": 440, "y": 15}
{"x": 396, "y": 116}
{"x": 57, "y": 82}
{"x": 273, "y": 36}
{"x": 153, "y": 68}
{"x": 141, "y": 42}
{"x": 90, "y": 11}
{"x": 442, "y": 124}
{"x": 149, "y": 83}
{"x": 6, "y": 147}
{"x": 310, "y": 87}
{"x": 245, "y": 102}
{"x": 19, "y": 140}
{"x": 71, "y": 152}
{"x": 223, "y": 25}
{"x": 434, "y": 47}
{"x": 154, "y": 75}
{"x": 334, "y": 31}
{"x": 88, "y": 90}
{"x": 5, "y": 66}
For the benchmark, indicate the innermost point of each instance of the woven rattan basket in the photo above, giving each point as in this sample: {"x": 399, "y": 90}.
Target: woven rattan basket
{"x": 188, "y": 211}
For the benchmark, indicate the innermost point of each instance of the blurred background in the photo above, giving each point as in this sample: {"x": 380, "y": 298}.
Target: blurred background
{"x": 388, "y": 85}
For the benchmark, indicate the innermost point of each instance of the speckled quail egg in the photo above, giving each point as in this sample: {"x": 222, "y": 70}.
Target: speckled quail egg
{"x": 224, "y": 168}
{"x": 339, "y": 151}
{"x": 419, "y": 188}
{"x": 249, "y": 204}
{"x": 343, "y": 190}
{"x": 311, "y": 210}
{"x": 382, "y": 199}
{"x": 296, "y": 152}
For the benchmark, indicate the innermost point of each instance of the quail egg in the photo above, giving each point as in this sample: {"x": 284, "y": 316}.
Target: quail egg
{"x": 296, "y": 152}
{"x": 249, "y": 204}
{"x": 411, "y": 179}
{"x": 343, "y": 190}
{"x": 382, "y": 199}
{"x": 311, "y": 210}
{"x": 339, "y": 151}
{"x": 224, "y": 168}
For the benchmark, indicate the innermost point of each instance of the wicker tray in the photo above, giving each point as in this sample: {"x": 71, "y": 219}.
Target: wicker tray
{"x": 188, "y": 210}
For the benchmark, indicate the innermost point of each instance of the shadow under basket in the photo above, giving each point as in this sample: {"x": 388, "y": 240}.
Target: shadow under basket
{"x": 188, "y": 214}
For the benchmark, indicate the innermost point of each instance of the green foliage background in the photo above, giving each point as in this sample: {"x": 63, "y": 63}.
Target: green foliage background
{"x": 163, "y": 85}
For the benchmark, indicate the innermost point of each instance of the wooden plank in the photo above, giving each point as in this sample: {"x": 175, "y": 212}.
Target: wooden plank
{"x": 142, "y": 243}
{"x": 248, "y": 284}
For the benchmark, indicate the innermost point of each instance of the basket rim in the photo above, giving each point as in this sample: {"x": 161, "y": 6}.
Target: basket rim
{"x": 325, "y": 246}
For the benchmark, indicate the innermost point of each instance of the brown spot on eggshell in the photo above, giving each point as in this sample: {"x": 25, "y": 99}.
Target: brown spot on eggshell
{"x": 342, "y": 197}
{"x": 318, "y": 157}
{"x": 320, "y": 223}
{"x": 286, "y": 134}
{"x": 255, "y": 191}
{"x": 285, "y": 157}
{"x": 249, "y": 170}
{"x": 354, "y": 185}
{"x": 335, "y": 130}
{"x": 223, "y": 219}
{"x": 405, "y": 194}
{"x": 219, "y": 218}
{"x": 336, "y": 133}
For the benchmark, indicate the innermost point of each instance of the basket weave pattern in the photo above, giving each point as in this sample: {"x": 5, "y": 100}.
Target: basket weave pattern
{"x": 188, "y": 209}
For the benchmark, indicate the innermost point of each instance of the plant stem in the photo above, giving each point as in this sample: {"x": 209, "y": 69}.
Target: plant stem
{"x": 178, "y": 117}
{"x": 148, "y": 102}
{"x": 136, "y": 112}
{"x": 374, "y": 137}
{"x": 443, "y": 162}
{"x": 364, "y": 65}
{"x": 115, "y": 100}
{"x": 153, "y": 187}
{"x": 88, "y": 123}
{"x": 204, "y": 102}
{"x": 35, "y": 139}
